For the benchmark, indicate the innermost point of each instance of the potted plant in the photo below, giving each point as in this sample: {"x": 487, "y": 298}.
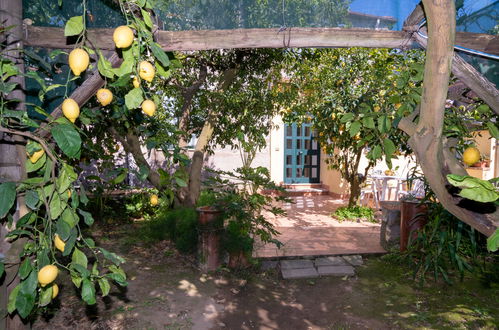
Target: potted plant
{"x": 413, "y": 216}
{"x": 208, "y": 207}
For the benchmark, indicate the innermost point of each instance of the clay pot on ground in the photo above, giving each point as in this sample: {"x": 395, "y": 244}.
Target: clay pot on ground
{"x": 413, "y": 217}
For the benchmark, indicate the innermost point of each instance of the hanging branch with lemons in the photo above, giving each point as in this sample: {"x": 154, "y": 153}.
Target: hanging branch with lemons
{"x": 51, "y": 230}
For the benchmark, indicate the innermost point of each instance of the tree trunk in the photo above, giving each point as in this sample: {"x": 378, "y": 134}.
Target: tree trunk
{"x": 426, "y": 136}
{"x": 12, "y": 160}
{"x": 189, "y": 195}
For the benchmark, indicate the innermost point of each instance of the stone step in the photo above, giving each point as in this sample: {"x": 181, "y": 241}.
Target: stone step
{"x": 323, "y": 266}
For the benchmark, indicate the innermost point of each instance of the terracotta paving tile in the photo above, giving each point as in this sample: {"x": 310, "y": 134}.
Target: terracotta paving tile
{"x": 308, "y": 230}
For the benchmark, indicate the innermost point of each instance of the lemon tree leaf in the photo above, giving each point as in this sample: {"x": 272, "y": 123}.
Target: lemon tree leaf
{"x": 67, "y": 138}
{"x": 45, "y": 296}
{"x": 104, "y": 66}
{"x": 56, "y": 206}
{"x": 31, "y": 167}
{"x": 79, "y": 258}
{"x": 160, "y": 54}
{"x": 25, "y": 303}
{"x": 87, "y": 217}
{"x": 88, "y": 292}
{"x": 8, "y": 193}
{"x": 70, "y": 217}
{"x": 493, "y": 241}
{"x": 11, "y": 305}
{"x": 114, "y": 258}
{"x": 66, "y": 176}
{"x": 32, "y": 199}
{"x": 355, "y": 128}
{"x": 30, "y": 283}
{"x": 494, "y": 131}
{"x": 2, "y": 268}
{"x": 474, "y": 188}
{"x": 147, "y": 18}
{"x": 389, "y": 147}
{"x": 104, "y": 286}
{"x": 74, "y": 26}
{"x": 25, "y": 269}
{"x": 134, "y": 98}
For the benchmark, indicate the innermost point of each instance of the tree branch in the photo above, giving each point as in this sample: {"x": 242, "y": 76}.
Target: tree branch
{"x": 131, "y": 144}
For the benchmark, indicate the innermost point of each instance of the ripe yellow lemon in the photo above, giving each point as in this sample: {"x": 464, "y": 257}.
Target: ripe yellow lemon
{"x": 148, "y": 107}
{"x": 78, "y": 61}
{"x": 70, "y": 109}
{"x": 47, "y": 274}
{"x": 154, "y": 200}
{"x": 136, "y": 82}
{"x": 104, "y": 96}
{"x": 397, "y": 105}
{"x": 59, "y": 243}
{"x": 36, "y": 155}
{"x": 55, "y": 290}
{"x": 123, "y": 36}
{"x": 376, "y": 108}
{"x": 146, "y": 71}
{"x": 471, "y": 155}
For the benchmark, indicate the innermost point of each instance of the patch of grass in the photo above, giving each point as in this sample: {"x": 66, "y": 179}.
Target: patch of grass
{"x": 354, "y": 213}
{"x": 388, "y": 292}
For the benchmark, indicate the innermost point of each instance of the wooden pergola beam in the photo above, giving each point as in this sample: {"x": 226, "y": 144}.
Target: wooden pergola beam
{"x": 465, "y": 72}
{"x": 414, "y": 18}
{"x": 50, "y": 37}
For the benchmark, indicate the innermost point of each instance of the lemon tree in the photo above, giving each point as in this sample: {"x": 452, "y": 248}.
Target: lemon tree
{"x": 50, "y": 232}
{"x": 350, "y": 98}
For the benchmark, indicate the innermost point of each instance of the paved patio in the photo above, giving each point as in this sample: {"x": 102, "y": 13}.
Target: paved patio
{"x": 309, "y": 230}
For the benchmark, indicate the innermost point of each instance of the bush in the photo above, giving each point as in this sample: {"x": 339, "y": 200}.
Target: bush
{"x": 354, "y": 213}
{"x": 446, "y": 247}
{"x": 186, "y": 229}
{"x": 179, "y": 225}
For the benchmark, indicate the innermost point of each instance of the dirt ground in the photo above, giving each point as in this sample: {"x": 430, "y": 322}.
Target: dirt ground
{"x": 167, "y": 291}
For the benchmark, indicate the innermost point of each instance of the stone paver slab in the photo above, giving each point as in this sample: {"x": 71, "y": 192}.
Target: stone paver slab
{"x": 355, "y": 260}
{"x": 289, "y": 274}
{"x": 330, "y": 261}
{"x": 336, "y": 270}
{"x": 296, "y": 264}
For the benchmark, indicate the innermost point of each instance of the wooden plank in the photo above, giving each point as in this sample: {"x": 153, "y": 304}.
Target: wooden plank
{"x": 471, "y": 78}
{"x": 49, "y": 37}
{"x": 412, "y": 21}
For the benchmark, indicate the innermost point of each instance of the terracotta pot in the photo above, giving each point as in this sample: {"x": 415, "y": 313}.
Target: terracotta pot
{"x": 208, "y": 214}
{"x": 413, "y": 216}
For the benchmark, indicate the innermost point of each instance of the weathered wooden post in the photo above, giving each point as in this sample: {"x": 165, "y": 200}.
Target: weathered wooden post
{"x": 12, "y": 158}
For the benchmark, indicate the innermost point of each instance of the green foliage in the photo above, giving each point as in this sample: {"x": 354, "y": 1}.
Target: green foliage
{"x": 186, "y": 229}
{"x": 179, "y": 225}
{"x": 240, "y": 197}
{"x": 473, "y": 188}
{"x": 236, "y": 238}
{"x": 493, "y": 241}
{"x": 354, "y": 99}
{"x": 354, "y": 213}
{"x": 445, "y": 247}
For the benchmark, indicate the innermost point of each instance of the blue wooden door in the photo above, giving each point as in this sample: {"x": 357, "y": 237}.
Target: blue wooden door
{"x": 301, "y": 155}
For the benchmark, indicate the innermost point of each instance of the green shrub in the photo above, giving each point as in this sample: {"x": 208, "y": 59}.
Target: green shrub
{"x": 186, "y": 229}
{"x": 178, "y": 225}
{"x": 354, "y": 213}
{"x": 236, "y": 238}
{"x": 446, "y": 247}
